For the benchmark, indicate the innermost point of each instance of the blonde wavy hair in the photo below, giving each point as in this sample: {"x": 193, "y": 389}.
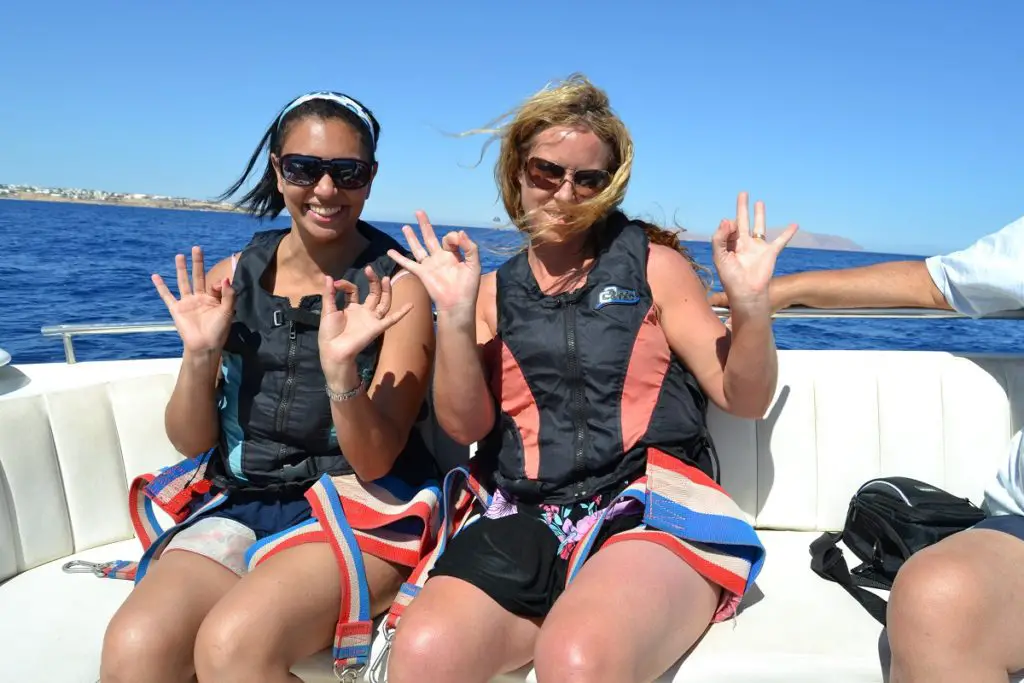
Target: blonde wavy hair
{"x": 573, "y": 102}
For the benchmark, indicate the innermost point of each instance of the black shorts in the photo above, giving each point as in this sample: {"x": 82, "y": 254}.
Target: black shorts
{"x": 518, "y": 560}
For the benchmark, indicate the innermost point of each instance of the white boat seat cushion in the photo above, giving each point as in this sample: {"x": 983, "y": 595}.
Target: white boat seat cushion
{"x": 72, "y": 437}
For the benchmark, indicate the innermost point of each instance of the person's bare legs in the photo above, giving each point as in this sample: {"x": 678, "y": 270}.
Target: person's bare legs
{"x": 151, "y": 636}
{"x": 956, "y": 611}
{"x": 284, "y": 610}
{"x": 453, "y": 631}
{"x": 633, "y": 610}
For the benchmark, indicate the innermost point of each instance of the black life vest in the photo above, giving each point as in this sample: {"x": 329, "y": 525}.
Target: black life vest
{"x": 277, "y": 432}
{"x": 586, "y": 381}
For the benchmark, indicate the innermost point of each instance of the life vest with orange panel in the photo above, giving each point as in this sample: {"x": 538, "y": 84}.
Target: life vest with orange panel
{"x": 592, "y": 399}
{"x": 586, "y": 382}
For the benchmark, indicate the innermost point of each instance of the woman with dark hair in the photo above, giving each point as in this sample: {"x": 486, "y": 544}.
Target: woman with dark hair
{"x": 306, "y": 354}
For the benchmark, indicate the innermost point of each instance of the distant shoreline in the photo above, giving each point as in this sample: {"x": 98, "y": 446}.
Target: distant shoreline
{"x": 130, "y": 201}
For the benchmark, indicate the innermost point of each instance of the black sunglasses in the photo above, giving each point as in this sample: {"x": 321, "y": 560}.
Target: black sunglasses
{"x": 549, "y": 176}
{"x": 305, "y": 170}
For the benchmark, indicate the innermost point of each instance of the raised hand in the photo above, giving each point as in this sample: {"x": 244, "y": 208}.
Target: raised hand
{"x": 745, "y": 261}
{"x": 449, "y": 269}
{"x": 203, "y": 314}
{"x": 346, "y": 332}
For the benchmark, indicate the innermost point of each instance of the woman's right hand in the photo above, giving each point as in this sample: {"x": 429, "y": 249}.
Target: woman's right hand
{"x": 203, "y": 315}
{"x": 449, "y": 269}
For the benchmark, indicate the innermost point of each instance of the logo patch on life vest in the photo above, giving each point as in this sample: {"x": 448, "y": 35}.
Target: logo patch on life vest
{"x": 613, "y": 294}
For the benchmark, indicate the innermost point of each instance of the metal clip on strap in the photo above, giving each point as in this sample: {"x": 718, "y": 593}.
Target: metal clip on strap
{"x": 379, "y": 665}
{"x": 349, "y": 674}
{"x": 83, "y": 567}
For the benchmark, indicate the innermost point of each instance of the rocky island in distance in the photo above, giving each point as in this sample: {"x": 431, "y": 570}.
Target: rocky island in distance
{"x": 803, "y": 239}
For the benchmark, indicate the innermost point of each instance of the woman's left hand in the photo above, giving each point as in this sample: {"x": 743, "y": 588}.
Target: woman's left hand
{"x": 346, "y": 332}
{"x": 746, "y": 261}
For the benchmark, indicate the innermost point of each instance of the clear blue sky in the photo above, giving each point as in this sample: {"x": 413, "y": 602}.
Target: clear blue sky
{"x": 897, "y": 124}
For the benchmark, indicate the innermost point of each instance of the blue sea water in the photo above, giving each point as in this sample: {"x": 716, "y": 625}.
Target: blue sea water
{"x": 76, "y": 263}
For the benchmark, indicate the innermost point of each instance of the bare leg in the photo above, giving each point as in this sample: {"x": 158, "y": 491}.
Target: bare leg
{"x": 633, "y": 610}
{"x": 453, "y": 631}
{"x": 956, "y": 611}
{"x": 283, "y": 611}
{"x": 151, "y": 636}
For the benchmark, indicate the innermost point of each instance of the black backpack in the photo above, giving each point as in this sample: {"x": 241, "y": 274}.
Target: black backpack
{"x": 889, "y": 519}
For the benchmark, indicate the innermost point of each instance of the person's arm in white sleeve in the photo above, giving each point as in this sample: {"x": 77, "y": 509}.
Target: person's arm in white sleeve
{"x": 986, "y": 277}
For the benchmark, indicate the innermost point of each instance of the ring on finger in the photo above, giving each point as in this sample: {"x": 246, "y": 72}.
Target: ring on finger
{"x": 759, "y": 236}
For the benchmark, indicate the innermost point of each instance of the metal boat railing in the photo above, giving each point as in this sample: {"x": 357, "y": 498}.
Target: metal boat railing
{"x": 68, "y": 332}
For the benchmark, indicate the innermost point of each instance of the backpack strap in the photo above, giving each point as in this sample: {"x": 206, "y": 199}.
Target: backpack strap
{"x": 827, "y": 562}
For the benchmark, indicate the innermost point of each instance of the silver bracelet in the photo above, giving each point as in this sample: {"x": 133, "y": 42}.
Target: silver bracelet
{"x": 345, "y": 395}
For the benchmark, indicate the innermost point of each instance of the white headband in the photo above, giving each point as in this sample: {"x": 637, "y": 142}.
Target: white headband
{"x": 344, "y": 100}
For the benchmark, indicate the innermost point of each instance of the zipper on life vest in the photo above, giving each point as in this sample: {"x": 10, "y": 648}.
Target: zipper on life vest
{"x": 282, "y": 408}
{"x": 578, "y": 398}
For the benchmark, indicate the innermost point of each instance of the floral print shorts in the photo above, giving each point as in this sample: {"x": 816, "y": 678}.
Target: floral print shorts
{"x": 569, "y": 523}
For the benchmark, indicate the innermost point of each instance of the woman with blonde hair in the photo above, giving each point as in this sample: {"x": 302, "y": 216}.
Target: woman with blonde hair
{"x": 602, "y": 546}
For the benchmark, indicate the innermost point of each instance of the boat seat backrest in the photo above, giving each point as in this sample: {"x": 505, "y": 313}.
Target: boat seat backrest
{"x": 840, "y": 418}
{"x": 67, "y": 456}
{"x": 68, "y": 449}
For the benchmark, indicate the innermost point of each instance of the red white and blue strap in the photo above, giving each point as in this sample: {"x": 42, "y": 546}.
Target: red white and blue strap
{"x": 370, "y": 506}
{"x": 581, "y": 552}
{"x": 704, "y": 523}
{"x": 174, "y": 489}
{"x": 459, "y": 491}
{"x": 354, "y": 633}
{"x": 157, "y": 547}
{"x": 688, "y": 504}
{"x": 338, "y": 505}
{"x": 118, "y": 569}
{"x": 391, "y": 520}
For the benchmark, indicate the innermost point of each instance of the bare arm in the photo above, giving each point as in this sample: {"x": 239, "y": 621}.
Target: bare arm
{"x": 738, "y": 370}
{"x": 191, "y": 419}
{"x": 897, "y": 284}
{"x": 450, "y": 272}
{"x": 979, "y": 279}
{"x": 373, "y": 427}
{"x": 462, "y": 399}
